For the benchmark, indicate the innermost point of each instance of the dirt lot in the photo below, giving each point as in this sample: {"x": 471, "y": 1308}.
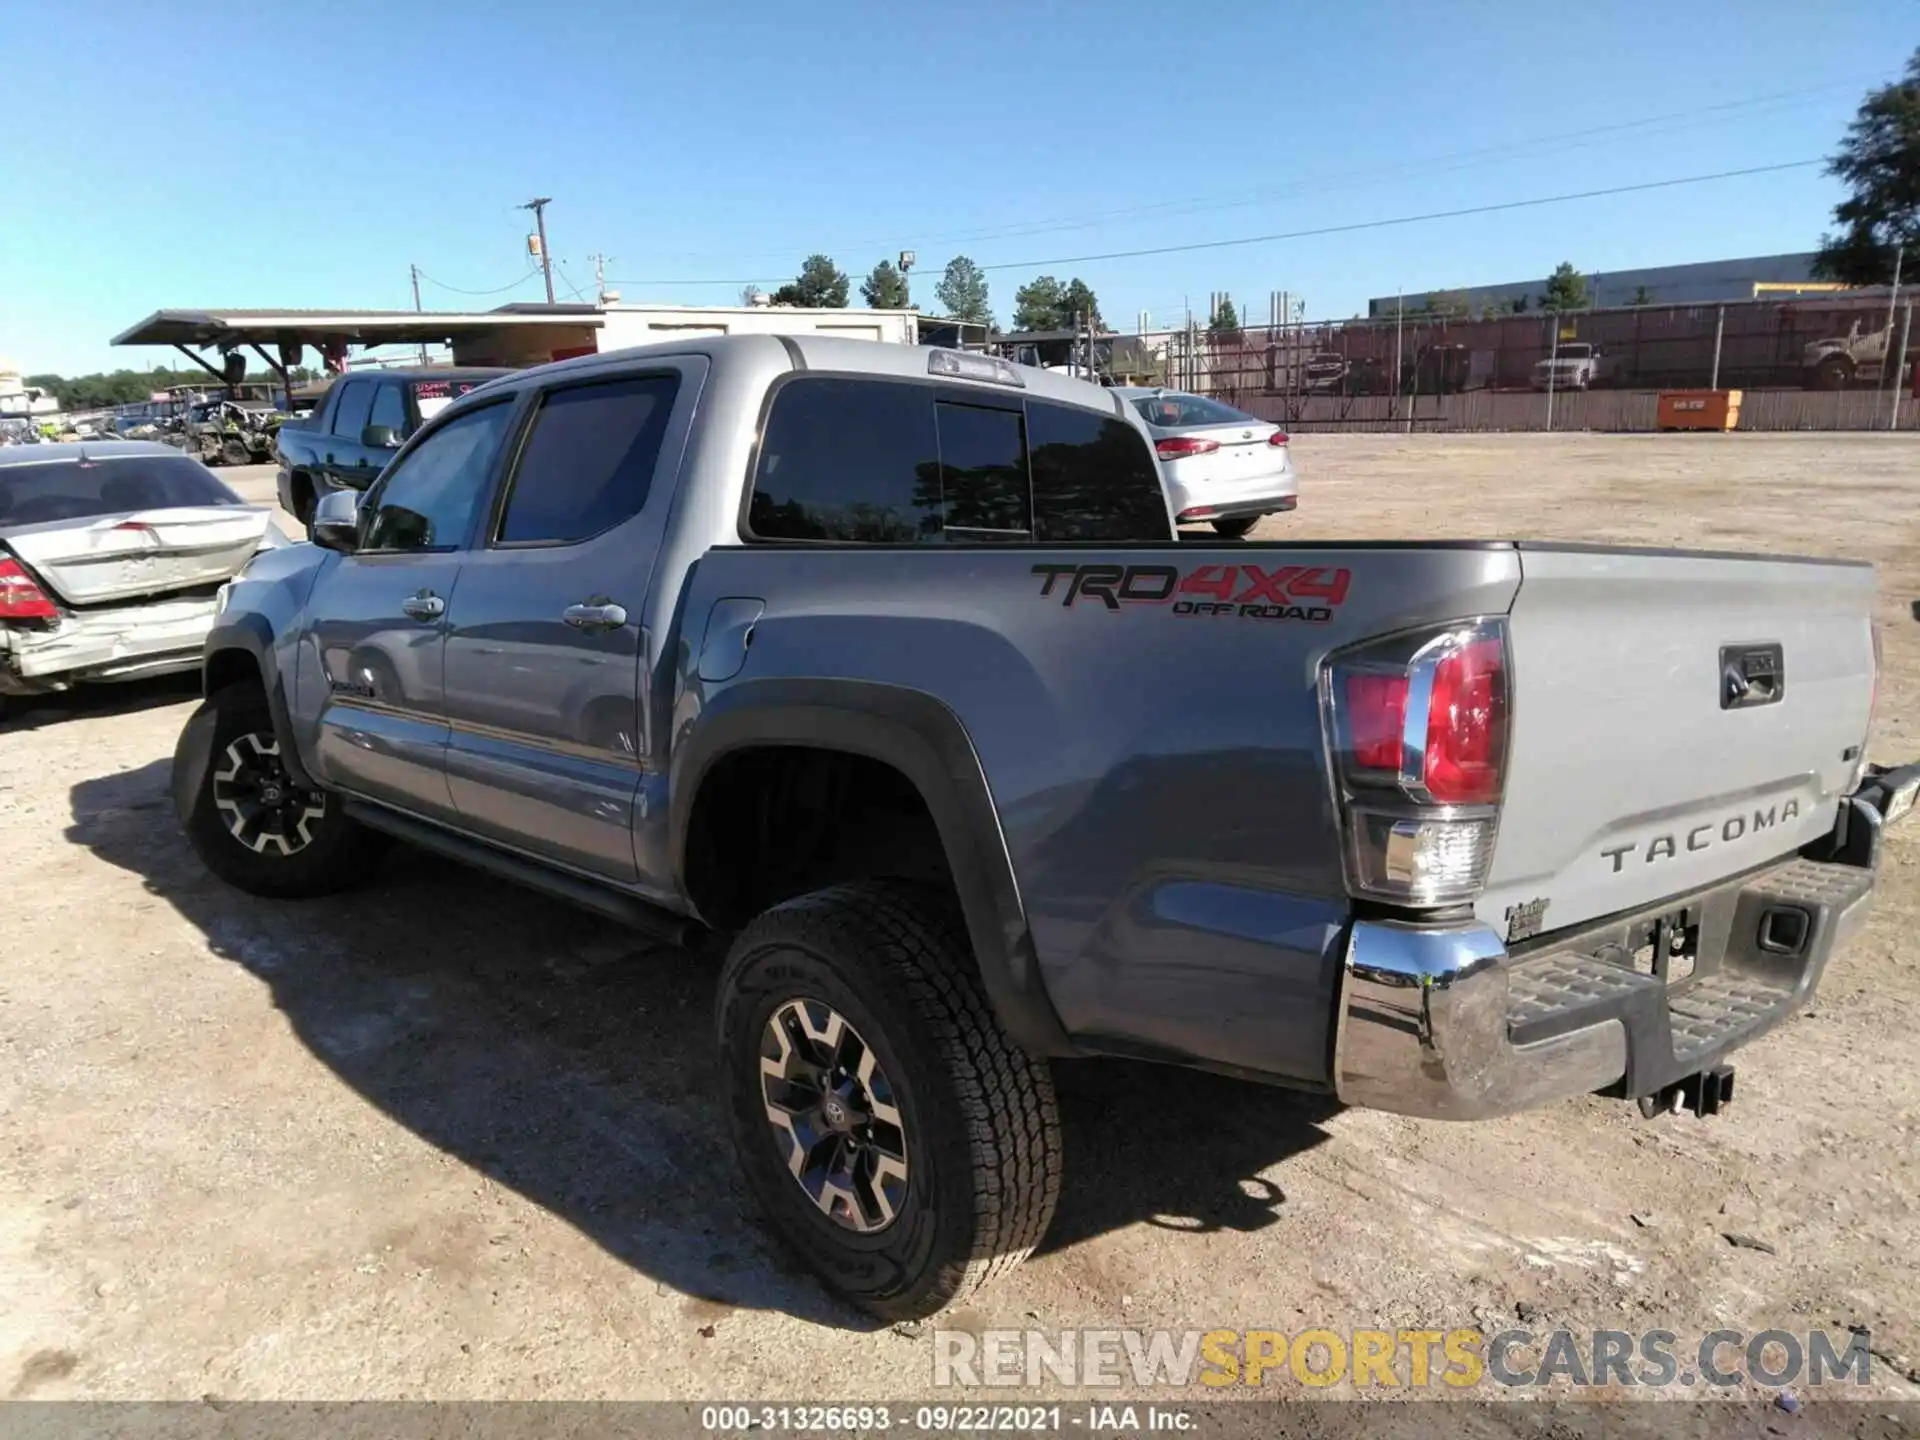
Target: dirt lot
{"x": 439, "y": 1138}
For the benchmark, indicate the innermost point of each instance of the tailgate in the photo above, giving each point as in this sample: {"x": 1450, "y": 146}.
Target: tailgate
{"x": 1638, "y": 768}
{"x": 153, "y": 552}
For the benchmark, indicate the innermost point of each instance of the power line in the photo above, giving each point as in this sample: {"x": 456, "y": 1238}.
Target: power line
{"x": 1350, "y": 179}
{"x": 497, "y": 290}
{"x": 1537, "y": 200}
{"x": 1405, "y": 219}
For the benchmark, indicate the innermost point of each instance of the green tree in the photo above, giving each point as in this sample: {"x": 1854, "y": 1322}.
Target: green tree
{"x": 962, "y": 292}
{"x": 1036, "y": 304}
{"x": 820, "y": 285}
{"x": 1879, "y": 160}
{"x": 1446, "y": 305}
{"x": 1226, "y": 320}
{"x": 749, "y": 294}
{"x": 1641, "y": 296}
{"x": 1566, "y": 289}
{"x": 1078, "y": 299}
{"x": 885, "y": 288}
{"x": 1519, "y": 306}
{"x": 1045, "y": 304}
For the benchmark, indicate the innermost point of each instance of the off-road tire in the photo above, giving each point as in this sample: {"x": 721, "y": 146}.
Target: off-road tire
{"x": 1236, "y": 529}
{"x": 338, "y": 853}
{"x": 234, "y": 452}
{"x": 981, "y": 1128}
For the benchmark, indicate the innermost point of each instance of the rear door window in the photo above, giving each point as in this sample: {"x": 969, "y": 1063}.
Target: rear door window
{"x": 1093, "y": 478}
{"x": 350, "y": 415}
{"x": 589, "y": 461}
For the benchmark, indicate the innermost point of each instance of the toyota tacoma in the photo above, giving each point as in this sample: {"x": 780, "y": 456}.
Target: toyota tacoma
{"x": 884, "y": 667}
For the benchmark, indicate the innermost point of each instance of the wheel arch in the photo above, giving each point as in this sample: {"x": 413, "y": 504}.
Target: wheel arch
{"x": 918, "y": 736}
{"x": 240, "y": 648}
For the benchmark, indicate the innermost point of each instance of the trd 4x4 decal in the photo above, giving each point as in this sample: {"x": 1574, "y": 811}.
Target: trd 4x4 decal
{"x": 1252, "y": 592}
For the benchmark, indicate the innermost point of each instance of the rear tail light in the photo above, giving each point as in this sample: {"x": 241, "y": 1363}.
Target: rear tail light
{"x": 1279, "y": 437}
{"x": 20, "y": 598}
{"x": 1417, "y": 726}
{"x": 1178, "y": 447}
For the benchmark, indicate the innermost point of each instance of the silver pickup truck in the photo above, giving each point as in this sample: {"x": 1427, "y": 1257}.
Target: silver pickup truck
{"x": 885, "y": 666}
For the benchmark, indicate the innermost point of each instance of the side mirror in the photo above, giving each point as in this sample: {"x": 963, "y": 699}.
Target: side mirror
{"x": 336, "y": 521}
{"x": 379, "y": 437}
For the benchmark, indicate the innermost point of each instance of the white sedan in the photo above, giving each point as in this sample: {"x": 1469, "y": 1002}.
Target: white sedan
{"x": 112, "y": 553}
{"x": 1219, "y": 464}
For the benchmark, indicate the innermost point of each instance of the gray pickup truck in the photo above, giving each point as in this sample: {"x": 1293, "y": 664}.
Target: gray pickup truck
{"x": 884, "y": 666}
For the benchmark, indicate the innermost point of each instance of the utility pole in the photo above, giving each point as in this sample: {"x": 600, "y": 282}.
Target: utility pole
{"x": 1719, "y": 330}
{"x": 1553, "y": 356}
{"x": 539, "y": 208}
{"x": 1893, "y": 299}
{"x": 1400, "y": 313}
{"x": 600, "y": 277}
{"x": 1899, "y": 363}
{"x": 416, "y": 310}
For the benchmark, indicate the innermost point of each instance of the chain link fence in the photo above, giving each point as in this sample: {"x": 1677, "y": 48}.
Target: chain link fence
{"x": 1801, "y": 364}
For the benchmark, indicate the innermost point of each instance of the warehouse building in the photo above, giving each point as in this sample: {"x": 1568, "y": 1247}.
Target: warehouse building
{"x": 1706, "y": 283}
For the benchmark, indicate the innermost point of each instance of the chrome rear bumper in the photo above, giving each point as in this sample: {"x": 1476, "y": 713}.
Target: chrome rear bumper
{"x": 1442, "y": 1022}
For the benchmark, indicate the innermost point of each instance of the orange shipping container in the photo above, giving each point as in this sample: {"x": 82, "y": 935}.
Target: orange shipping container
{"x": 1699, "y": 409}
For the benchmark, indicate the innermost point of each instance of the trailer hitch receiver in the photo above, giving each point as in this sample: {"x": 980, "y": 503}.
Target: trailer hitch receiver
{"x": 1707, "y": 1092}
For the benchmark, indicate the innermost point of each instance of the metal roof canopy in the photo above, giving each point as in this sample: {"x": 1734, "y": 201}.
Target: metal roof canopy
{"x": 331, "y": 331}
{"x": 230, "y": 329}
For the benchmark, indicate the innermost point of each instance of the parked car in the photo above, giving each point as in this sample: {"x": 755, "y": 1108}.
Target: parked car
{"x": 1222, "y": 466}
{"x": 364, "y": 418}
{"x": 110, "y": 556}
{"x": 885, "y": 664}
{"x": 1575, "y": 366}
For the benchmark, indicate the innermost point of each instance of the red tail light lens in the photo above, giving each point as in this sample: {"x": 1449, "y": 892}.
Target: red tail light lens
{"x": 1279, "y": 437}
{"x": 1419, "y": 819}
{"x": 20, "y": 598}
{"x": 1467, "y": 725}
{"x": 1376, "y": 717}
{"x": 1178, "y": 447}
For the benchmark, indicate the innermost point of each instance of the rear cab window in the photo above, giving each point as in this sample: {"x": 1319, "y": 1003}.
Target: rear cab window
{"x": 430, "y": 397}
{"x": 881, "y": 461}
{"x": 1172, "y": 412}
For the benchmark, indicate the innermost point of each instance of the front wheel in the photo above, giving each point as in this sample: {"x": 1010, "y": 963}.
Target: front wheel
{"x": 894, "y": 1135}
{"x": 1236, "y": 529}
{"x": 247, "y": 819}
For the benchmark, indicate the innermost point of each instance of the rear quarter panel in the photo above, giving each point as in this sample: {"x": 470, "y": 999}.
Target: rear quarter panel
{"x": 1157, "y": 768}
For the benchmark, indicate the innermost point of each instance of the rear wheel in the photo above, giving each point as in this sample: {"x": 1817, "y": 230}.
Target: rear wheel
{"x": 894, "y": 1135}
{"x": 234, "y": 452}
{"x": 1236, "y": 529}
{"x": 252, "y": 825}
{"x": 1833, "y": 373}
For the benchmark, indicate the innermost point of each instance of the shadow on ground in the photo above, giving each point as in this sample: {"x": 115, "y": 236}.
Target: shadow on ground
{"x": 36, "y": 712}
{"x": 571, "y": 1060}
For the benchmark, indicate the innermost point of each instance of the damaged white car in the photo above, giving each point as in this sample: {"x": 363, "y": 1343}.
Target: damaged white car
{"x": 112, "y": 557}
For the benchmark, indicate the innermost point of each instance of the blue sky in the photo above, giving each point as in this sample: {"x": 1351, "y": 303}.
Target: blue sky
{"x": 240, "y": 154}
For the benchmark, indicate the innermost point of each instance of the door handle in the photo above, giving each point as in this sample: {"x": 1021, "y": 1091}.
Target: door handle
{"x": 599, "y": 615}
{"x": 424, "y": 606}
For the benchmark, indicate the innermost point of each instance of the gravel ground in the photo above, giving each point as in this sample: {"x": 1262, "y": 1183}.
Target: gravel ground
{"x": 439, "y": 1138}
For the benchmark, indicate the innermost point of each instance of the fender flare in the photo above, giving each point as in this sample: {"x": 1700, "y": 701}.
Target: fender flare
{"x": 926, "y": 742}
{"x": 250, "y": 633}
